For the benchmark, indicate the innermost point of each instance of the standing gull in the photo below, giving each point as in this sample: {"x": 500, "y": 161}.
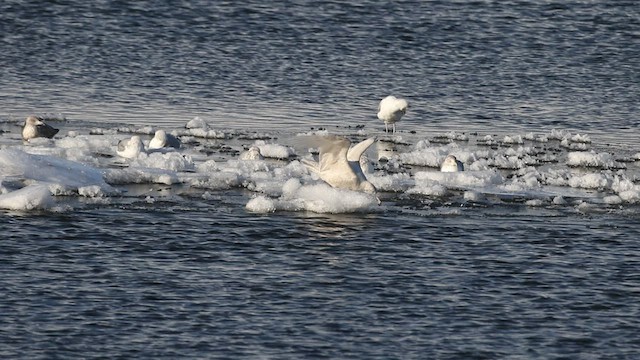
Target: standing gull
{"x": 451, "y": 164}
{"x": 391, "y": 110}
{"x": 130, "y": 148}
{"x": 161, "y": 140}
{"x": 339, "y": 162}
{"x": 35, "y": 127}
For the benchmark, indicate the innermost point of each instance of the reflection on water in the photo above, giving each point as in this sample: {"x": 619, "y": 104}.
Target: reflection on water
{"x": 338, "y": 226}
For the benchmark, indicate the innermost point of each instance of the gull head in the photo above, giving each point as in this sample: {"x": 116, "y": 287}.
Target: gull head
{"x": 33, "y": 121}
{"x": 161, "y": 135}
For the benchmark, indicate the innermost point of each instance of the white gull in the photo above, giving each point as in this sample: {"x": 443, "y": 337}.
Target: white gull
{"x": 130, "y": 148}
{"x": 451, "y": 164}
{"x": 161, "y": 140}
{"x": 339, "y": 162}
{"x": 391, "y": 110}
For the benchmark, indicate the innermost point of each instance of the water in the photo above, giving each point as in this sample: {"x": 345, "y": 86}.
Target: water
{"x": 166, "y": 271}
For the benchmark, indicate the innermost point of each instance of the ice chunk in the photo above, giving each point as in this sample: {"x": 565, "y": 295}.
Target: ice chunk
{"x": 473, "y": 196}
{"x": 261, "y": 204}
{"x": 28, "y": 198}
{"x": 590, "y": 159}
{"x": 197, "y": 123}
{"x": 274, "y": 151}
{"x": 140, "y": 176}
{"x": 461, "y": 179}
{"x": 591, "y": 181}
{"x": 171, "y": 160}
{"x": 427, "y": 189}
{"x": 50, "y": 170}
{"x": 319, "y": 197}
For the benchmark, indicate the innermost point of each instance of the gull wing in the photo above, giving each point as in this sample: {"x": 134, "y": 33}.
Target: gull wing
{"x": 332, "y": 149}
{"x": 356, "y": 151}
{"x": 46, "y": 130}
{"x": 173, "y": 141}
{"x": 333, "y": 152}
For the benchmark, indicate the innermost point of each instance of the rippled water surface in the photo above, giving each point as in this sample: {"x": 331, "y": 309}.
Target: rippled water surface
{"x": 211, "y": 280}
{"x": 217, "y": 282}
{"x": 172, "y": 272}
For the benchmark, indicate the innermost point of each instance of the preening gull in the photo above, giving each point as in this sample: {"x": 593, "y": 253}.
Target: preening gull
{"x": 161, "y": 140}
{"x": 130, "y": 148}
{"x": 35, "y": 127}
{"x": 339, "y": 163}
{"x": 451, "y": 164}
{"x": 391, "y": 110}
{"x": 252, "y": 154}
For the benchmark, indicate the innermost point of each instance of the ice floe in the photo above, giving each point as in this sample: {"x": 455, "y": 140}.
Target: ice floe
{"x": 551, "y": 169}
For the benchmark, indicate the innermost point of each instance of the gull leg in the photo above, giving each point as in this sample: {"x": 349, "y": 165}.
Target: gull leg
{"x": 386, "y": 127}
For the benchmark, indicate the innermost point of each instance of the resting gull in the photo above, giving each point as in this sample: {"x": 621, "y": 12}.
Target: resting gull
{"x": 451, "y": 164}
{"x": 35, "y": 127}
{"x": 130, "y": 148}
{"x": 162, "y": 140}
{"x": 339, "y": 162}
{"x": 391, "y": 110}
{"x": 252, "y": 154}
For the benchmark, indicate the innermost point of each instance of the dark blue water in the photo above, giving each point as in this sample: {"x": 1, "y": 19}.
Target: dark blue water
{"x": 566, "y": 64}
{"x": 193, "y": 277}
{"x": 173, "y": 283}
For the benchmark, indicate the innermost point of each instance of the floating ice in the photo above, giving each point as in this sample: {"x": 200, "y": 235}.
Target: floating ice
{"x": 534, "y": 202}
{"x": 141, "y": 176}
{"x": 391, "y": 183}
{"x": 197, "y": 123}
{"x": 274, "y": 151}
{"x": 28, "y": 198}
{"x": 320, "y": 198}
{"x": 426, "y": 156}
{"x": 513, "y": 139}
{"x": 591, "y": 159}
{"x": 43, "y": 172}
{"x": 49, "y": 170}
{"x": 551, "y": 169}
{"x": 203, "y": 133}
{"x": 463, "y": 179}
{"x": 473, "y": 196}
{"x": 174, "y": 161}
{"x": 591, "y": 181}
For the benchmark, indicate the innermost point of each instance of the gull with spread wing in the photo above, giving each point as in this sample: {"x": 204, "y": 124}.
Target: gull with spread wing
{"x": 339, "y": 162}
